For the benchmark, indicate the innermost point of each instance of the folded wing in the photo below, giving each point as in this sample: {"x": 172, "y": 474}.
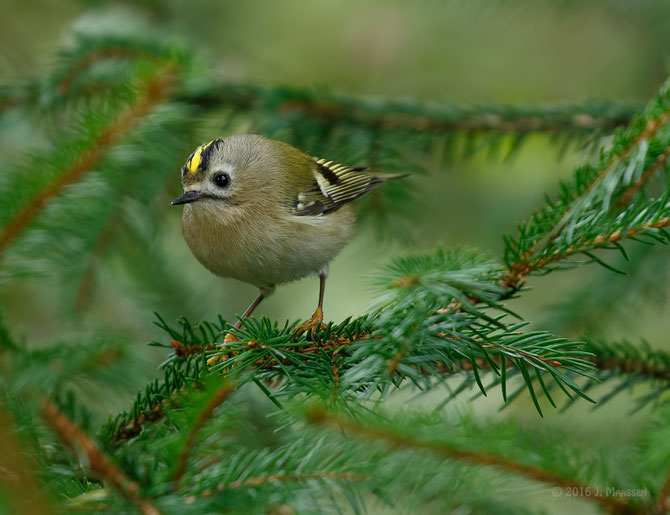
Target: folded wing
{"x": 335, "y": 185}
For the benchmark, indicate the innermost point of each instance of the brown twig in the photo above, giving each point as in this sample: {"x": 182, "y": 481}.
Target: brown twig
{"x": 396, "y": 440}
{"x": 625, "y": 365}
{"x": 529, "y": 355}
{"x": 627, "y": 195}
{"x": 134, "y": 426}
{"x": 182, "y": 351}
{"x": 90, "y": 59}
{"x": 83, "y": 295}
{"x": 476, "y": 122}
{"x": 600, "y": 240}
{"x": 154, "y": 92}
{"x": 220, "y": 395}
{"x": 662, "y": 505}
{"x": 353, "y": 110}
{"x": 9, "y": 102}
{"x": 392, "y": 364}
{"x": 23, "y": 487}
{"x": 72, "y": 436}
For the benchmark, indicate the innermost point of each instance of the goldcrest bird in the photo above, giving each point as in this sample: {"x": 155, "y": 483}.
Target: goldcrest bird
{"x": 263, "y": 212}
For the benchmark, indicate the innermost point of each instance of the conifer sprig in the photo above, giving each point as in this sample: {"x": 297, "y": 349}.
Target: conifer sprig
{"x": 398, "y": 440}
{"x": 322, "y": 363}
{"x": 100, "y": 464}
{"x": 618, "y": 366}
{"x": 154, "y": 91}
{"x": 334, "y": 109}
{"x": 589, "y": 204}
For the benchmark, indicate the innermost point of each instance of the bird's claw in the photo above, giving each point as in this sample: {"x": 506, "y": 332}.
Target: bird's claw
{"x": 313, "y": 323}
{"x": 229, "y": 338}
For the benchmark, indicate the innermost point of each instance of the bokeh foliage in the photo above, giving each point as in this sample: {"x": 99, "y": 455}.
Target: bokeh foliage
{"x": 359, "y": 415}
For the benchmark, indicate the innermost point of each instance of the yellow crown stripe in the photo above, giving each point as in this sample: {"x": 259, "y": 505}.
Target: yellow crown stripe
{"x": 194, "y": 163}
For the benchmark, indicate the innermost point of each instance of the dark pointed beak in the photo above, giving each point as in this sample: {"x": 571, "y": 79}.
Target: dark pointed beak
{"x": 188, "y": 196}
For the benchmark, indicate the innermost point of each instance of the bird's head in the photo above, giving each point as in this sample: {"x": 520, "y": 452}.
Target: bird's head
{"x": 229, "y": 172}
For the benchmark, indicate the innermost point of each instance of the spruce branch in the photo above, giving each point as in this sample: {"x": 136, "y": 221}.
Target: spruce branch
{"x": 600, "y": 241}
{"x": 150, "y": 404}
{"x": 274, "y": 353}
{"x": 219, "y": 397}
{"x": 74, "y": 62}
{"x": 361, "y": 356}
{"x": 377, "y": 114}
{"x": 273, "y": 348}
{"x": 631, "y": 364}
{"x": 154, "y": 92}
{"x": 309, "y": 462}
{"x": 401, "y": 441}
{"x": 333, "y": 109}
{"x": 260, "y": 353}
{"x": 71, "y": 436}
{"x": 635, "y": 155}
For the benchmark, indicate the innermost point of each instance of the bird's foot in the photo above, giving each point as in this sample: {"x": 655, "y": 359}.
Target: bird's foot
{"x": 229, "y": 338}
{"x": 313, "y": 323}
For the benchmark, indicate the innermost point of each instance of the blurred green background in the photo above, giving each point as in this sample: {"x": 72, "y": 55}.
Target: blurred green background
{"x": 462, "y": 52}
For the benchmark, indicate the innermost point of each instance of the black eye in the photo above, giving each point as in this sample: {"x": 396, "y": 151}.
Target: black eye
{"x": 222, "y": 180}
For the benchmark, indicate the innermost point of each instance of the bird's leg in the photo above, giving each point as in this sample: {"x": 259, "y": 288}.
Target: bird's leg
{"x": 230, "y": 337}
{"x": 317, "y": 317}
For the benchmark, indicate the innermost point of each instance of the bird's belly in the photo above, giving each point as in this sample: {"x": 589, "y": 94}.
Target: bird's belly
{"x": 295, "y": 248}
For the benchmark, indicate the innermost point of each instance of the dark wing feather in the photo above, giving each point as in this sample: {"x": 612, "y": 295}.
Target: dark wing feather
{"x": 335, "y": 185}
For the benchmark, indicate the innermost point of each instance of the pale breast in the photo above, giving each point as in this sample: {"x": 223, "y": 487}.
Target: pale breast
{"x": 267, "y": 250}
